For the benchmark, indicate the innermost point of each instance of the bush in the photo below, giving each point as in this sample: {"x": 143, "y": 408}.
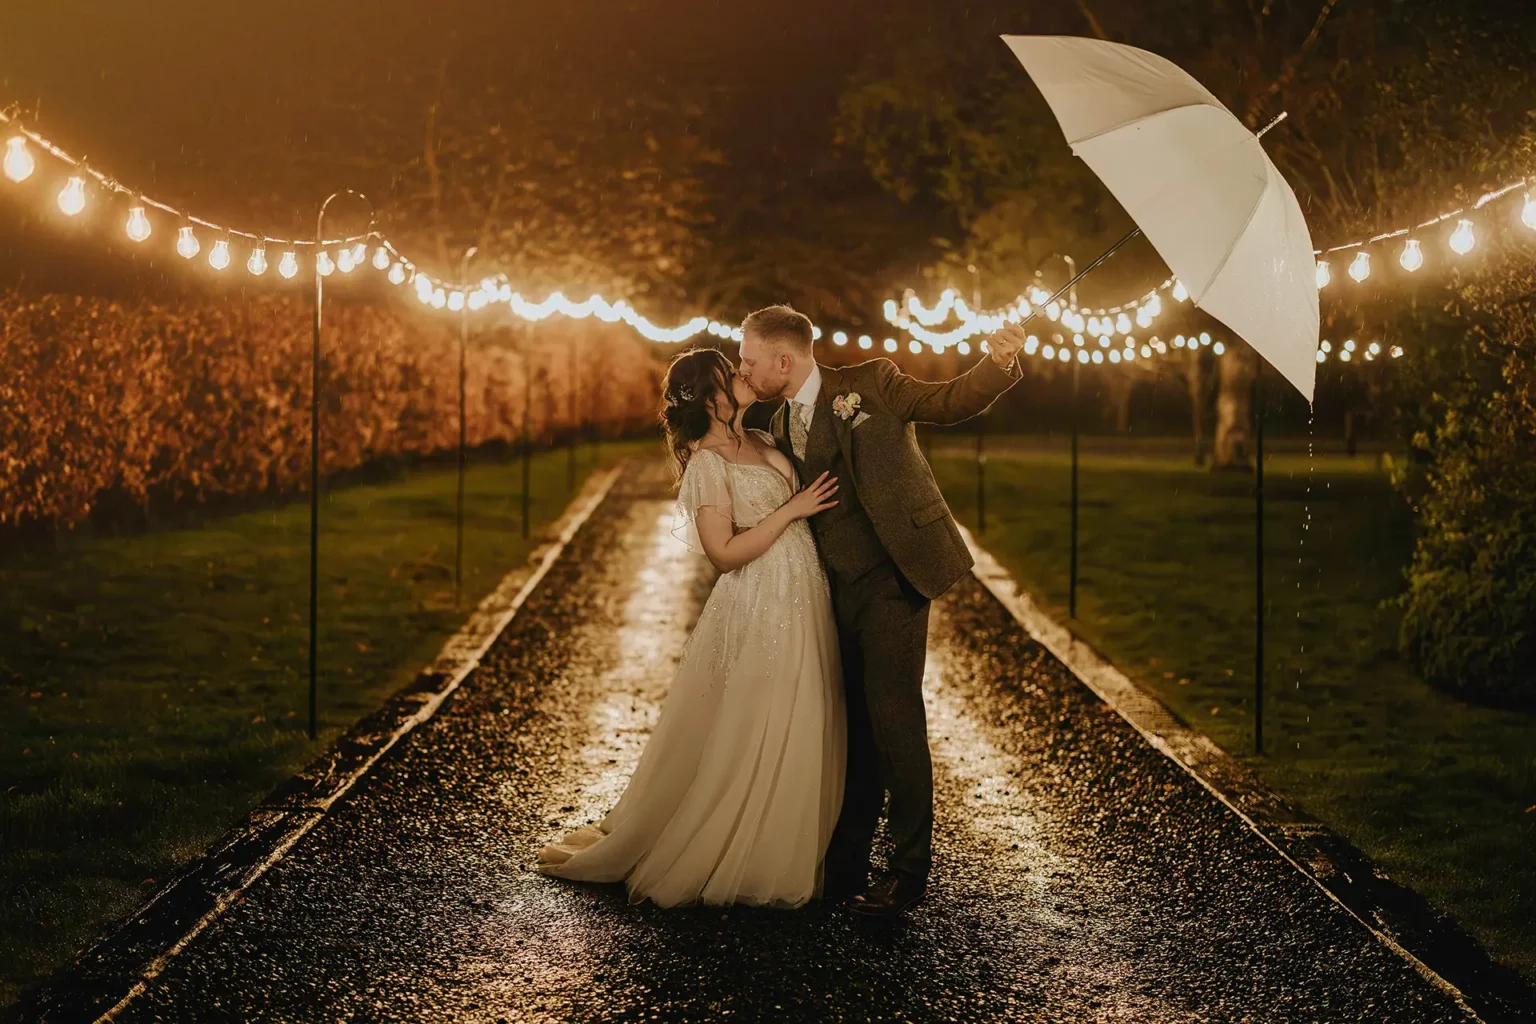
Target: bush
{"x": 198, "y": 400}
{"x": 1469, "y": 621}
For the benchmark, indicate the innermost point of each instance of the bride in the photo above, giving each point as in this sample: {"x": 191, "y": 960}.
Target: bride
{"x": 736, "y": 794}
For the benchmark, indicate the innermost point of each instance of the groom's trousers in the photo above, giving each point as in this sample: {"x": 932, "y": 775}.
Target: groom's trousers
{"x": 882, "y": 627}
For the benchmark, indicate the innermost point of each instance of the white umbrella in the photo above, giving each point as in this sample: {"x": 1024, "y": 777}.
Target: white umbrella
{"x": 1198, "y": 184}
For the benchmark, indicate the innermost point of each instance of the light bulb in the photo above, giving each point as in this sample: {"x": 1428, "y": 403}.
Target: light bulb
{"x": 1053, "y": 311}
{"x": 439, "y": 298}
{"x": 72, "y": 196}
{"x": 1123, "y": 324}
{"x": 323, "y": 263}
{"x": 19, "y": 164}
{"x": 915, "y": 347}
{"x": 397, "y": 274}
{"x": 359, "y": 253}
{"x": 964, "y": 348}
{"x": 187, "y": 244}
{"x": 1412, "y": 258}
{"x": 423, "y": 287}
{"x": 288, "y": 266}
{"x": 1462, "y": 239}
{"x": 1218, "y": 348}
{"x": 866, "y": 342}
{"x": 257, "y": 264}
{"x": 1528, "y": 212}
{"x": 456, "y": 301}
{"x": 839, "y": 338}
{"x": 1360, "y": 266}
{"x": 218, "y": 256}
{"x": 477, "y": 299}
{"x": 345, "y": 261}
{"x": 381, "y": 258}
{"x": 1322, "y": 356}
{"x": 1324, "y": 274}
{"x": 138, "y": 224}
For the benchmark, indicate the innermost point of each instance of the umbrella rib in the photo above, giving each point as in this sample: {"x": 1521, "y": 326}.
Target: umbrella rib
{"x": 1147, "y": 117}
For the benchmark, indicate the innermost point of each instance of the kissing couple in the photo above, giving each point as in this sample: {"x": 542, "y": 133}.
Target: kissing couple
{"x": 797, "y": 704}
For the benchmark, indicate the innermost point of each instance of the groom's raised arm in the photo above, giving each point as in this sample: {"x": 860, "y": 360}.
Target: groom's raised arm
{"x": 948, "y": 402}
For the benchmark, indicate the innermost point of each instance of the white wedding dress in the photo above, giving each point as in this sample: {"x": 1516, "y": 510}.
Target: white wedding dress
{"x": 737, "y": 791}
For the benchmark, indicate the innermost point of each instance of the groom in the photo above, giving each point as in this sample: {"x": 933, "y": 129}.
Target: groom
{"x": 890, "y": 547}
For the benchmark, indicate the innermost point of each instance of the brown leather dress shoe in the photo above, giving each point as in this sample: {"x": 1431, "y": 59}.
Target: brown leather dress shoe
{"x": 889, "y": 897}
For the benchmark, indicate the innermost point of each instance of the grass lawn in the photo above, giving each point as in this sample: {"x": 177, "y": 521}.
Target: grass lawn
{"x": 1439, "y": 793}
{"x": 153, "y": 686}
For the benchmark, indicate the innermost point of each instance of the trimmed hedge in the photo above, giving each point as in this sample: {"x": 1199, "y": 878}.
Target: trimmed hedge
{"x": 203, "y": 399}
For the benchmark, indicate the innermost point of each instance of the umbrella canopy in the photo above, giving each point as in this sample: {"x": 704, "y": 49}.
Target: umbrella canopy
{"x": 1196, "y": 181}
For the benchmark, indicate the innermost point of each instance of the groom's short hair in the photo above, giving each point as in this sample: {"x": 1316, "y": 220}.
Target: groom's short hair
{"x": 781, "y": 323}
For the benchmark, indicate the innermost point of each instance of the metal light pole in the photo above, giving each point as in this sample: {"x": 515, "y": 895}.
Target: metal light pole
{"x": 1258, "y": 547}
{"x": 314, "y": 457}
{"x": 458, "y": 512}
{"x": 1071, "y": 290}
{"x": 981, "y": 423}
{"x": 570, "y": 457}
{"x": 527, "y": 426}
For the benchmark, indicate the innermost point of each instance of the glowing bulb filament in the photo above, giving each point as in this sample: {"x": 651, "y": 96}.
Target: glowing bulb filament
{"x": 1462, "y": 239}
{"x": 257, "y": 264}
{"x": 288, "y": 266}
{"x": 19, "y": 164}
{"x": 138, "y": 224}
{"x": 218, "y": 256}
{"x": 1360, "y": 267}
{"x": 72, "y": 196}
{"x": 187, "y": 245}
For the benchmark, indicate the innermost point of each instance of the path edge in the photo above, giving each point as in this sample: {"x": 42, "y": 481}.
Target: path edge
{"x": 1434, "y": 945}
{"x": 102, "y": 982}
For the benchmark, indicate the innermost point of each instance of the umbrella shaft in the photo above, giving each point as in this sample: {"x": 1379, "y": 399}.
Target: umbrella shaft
{"x": 1106, "y": 254}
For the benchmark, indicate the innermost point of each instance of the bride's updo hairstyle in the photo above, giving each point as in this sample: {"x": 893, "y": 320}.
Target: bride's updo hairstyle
{"x": 695, "y": 379}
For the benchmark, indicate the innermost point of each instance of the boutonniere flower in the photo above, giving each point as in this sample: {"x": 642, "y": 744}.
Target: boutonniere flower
{"x": 845, "y": 406}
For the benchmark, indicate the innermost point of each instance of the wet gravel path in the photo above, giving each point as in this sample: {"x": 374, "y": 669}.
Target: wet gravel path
{"x": 1080, "y": 876}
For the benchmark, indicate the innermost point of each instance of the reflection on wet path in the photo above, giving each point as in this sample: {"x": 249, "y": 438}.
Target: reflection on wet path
{"x": 1079, "y": 876}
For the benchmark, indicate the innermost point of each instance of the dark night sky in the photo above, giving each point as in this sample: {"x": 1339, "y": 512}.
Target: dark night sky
{"x": 190, "y": 97}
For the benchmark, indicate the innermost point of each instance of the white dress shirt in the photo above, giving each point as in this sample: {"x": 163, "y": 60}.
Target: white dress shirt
{"x": 808, "y": 395}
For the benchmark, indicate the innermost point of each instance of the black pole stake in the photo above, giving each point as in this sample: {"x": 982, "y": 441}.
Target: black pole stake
{"x": 981, "y": 474}
{"x": 1072, "y": 570}
{"x": 314, "y": 462}
{"x": 314, "y": 499}
{"x": 1258, "y": 575}
{"x": 527, "y": 431}
{"x": 458, "y": 508}
{"x": 575, "y": 435}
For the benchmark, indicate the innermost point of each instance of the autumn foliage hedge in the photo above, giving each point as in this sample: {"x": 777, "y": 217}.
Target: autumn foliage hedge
{"x": 149, "y": 401}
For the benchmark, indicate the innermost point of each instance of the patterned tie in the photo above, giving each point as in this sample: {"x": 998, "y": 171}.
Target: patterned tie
{"x": 797, "y": 431}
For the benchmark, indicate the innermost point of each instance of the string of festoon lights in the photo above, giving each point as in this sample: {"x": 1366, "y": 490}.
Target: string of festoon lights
{"x": 83, "y": 184}
{"x": 1111, "y": 329}
{"x": 1104, "y": 324}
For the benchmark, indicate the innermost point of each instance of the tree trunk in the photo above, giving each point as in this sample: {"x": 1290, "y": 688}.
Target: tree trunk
{"x": 1194, "y": 381}
{"x": 1120, "y": 387}
{"x": 1234, "y": 410}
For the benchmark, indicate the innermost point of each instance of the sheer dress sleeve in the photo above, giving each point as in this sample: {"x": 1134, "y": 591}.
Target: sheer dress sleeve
{"x": 707, "y": 488}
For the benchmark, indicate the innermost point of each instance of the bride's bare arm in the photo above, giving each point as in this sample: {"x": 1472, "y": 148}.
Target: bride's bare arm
{"x": 729, "y": 551}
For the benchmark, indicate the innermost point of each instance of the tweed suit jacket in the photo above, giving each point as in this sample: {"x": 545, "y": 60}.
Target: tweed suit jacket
{"x": 879, "y": 450}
